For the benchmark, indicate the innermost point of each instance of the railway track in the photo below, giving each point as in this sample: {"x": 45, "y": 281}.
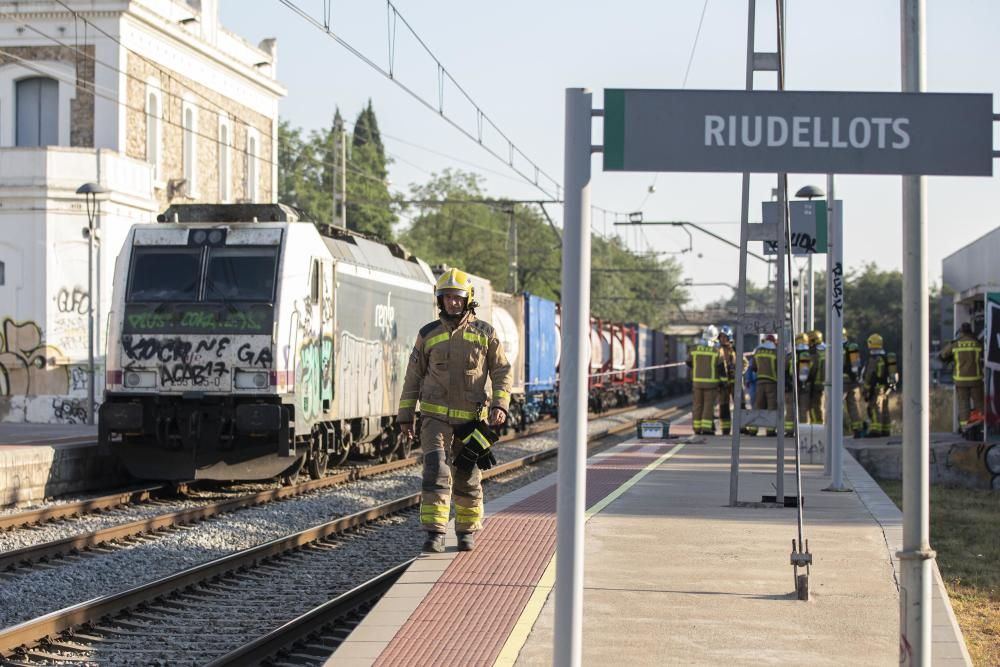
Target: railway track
{"x": 149, "y": 525}
{"x": 133, "y": 626}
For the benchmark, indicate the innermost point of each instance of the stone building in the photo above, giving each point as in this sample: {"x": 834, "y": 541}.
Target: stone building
{"x": 152, "y": 99}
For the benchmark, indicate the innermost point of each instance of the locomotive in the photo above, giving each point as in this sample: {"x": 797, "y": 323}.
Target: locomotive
{"x": 245, "y": 342}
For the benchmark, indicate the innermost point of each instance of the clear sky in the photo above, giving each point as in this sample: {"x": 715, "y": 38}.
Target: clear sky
{"x": 516, "y": 58}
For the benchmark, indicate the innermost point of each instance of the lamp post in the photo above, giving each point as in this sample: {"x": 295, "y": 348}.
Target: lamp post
{"x": 90, "y": 191}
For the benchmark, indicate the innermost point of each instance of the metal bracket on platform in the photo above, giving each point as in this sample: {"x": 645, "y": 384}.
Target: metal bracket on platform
{"x": 801, "y": 558}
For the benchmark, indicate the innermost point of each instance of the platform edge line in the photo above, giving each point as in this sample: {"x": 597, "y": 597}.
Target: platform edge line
{"x": 518, "y": 636}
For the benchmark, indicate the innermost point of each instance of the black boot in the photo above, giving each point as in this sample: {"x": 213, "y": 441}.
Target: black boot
{"x": 466, "y": 541}
{"x": 434, "y": 543}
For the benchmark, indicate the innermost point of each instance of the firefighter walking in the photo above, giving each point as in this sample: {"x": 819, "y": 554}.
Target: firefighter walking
{"x": 447, "y": 372}
{"x": 727, "y": 378}
{"x": 967, "y": 353}
{"x": 703, "y": 361}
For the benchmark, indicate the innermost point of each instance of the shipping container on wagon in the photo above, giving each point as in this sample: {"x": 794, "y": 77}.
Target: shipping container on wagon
{"x": 643, "y": 349}
{"x": 660, "y": 357}
{"x": 508, "y": 320}
{"x": 542, "y": 345}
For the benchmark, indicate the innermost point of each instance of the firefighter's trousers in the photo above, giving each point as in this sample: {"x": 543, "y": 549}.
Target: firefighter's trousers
{"x": 878, "y": 413}
{"x": 703, "y": 412}
{"x": 816, "y": 409}
{"x": 963, "y": 395}
{"x": 766, "y": 399}
{"x": 852, "y": 403}
{"x": 725, "y": 409}
{"x": 442, "y": 478}
{"x": 790, "y": 409}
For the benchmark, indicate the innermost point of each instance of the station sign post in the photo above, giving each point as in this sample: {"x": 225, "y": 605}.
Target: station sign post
{"x": 912, "y": 134}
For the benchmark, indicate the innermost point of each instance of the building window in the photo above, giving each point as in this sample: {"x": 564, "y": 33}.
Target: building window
{"x": 37, "y": 101}
{"x": 3, "y": 274}
{"x": 252, "y": 173}
{"x": 190, "y": 148}
{"x": 153, "y": 137}
{"x": 225, "y": 160}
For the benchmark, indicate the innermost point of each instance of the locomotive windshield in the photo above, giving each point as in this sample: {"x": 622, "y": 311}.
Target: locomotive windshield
{"x": 207, "y": 274}
{"x": 243, "y": 274}
{"x": 165, "y": 274}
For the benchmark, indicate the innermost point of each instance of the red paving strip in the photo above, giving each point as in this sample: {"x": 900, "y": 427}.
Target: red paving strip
{"x": 469, "y": 613}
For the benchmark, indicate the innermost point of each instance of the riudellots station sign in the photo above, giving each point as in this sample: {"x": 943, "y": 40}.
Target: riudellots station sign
{"x": 798, "y": 132}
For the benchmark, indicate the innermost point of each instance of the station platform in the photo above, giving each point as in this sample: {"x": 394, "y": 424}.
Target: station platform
{"x": 38, "y": 461}
{"x": 672, "y": 574}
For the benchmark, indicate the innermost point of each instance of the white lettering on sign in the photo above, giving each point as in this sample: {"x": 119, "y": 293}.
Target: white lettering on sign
{"x": 385, "y": 316}
{"x": 807, "y": 132}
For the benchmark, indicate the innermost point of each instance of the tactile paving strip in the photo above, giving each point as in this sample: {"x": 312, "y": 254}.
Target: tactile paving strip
{"x": 468, "y": 615}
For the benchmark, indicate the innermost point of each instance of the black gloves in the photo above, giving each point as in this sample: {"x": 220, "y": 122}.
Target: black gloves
{"x": 477, "y": 442}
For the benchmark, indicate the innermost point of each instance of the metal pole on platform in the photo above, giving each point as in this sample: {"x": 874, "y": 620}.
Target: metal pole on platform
{"x": 812, "y": 295}
{"x": 835, "y": 324}
{"x": 779, "y": 485}
{"x": 916, "y": 557}
{"x": 741, "y": 292}
{"x": 572, "y": 481}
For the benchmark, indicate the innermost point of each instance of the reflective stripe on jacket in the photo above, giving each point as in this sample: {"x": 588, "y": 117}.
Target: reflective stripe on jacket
{"x": 967, "y": 353}
{"x": 448, "y": 369}
{"x": 765, "y": 360}
{"x": 702, "y": 360}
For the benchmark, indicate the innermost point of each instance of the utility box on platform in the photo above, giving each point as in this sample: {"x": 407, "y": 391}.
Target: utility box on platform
{"x": 652, "y": 429}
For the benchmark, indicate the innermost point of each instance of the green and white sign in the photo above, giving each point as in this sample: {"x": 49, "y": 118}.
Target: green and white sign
{"x": 808, "y": 225}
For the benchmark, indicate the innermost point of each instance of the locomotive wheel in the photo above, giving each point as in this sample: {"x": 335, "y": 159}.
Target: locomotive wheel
{"x": 342, "y": 452}
{"x": 319, "y": 458}
{"x": 387, "y": 443}
{"x": 292, "y": 472}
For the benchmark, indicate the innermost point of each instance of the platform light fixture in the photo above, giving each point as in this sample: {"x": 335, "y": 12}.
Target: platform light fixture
{"x": 93, "y": 193}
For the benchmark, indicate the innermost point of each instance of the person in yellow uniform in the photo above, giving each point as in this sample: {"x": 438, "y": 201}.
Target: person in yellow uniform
{"x": 799, "y": 372}
{"x": 817, "y": 348}
{"x": 703, "y": 360}
{"x": 879, "y": 379}
{"x": 727, "y": 378}
{"x": 765, "y": 364}
{"x": 967, "y": 353}
{"x": 852, "y": 386}
{"x": 447, "y": 371}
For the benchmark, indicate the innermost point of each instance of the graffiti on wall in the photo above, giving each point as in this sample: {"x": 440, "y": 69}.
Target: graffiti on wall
{"x": 362, "y": 375}
{"x": 27, "y": 364}
{"x": 70, "y": 410}
{"x": 69, "y": 321}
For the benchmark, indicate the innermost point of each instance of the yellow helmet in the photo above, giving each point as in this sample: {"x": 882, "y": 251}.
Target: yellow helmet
{"x": 815, "y": 337}
{"x": 844, "y": 332}
{"x": 802, "y": 339}
{"x": 454, "y": 281}
{"x": 875, "y": 342}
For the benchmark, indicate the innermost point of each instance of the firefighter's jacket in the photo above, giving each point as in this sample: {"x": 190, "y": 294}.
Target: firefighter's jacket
{"x": 727, "y": 366}
{"x": 765, "y": 362}
{"x": 448, "y": 369}
{"x": 852, "y": 364}
{"x": 880, "y": 372}
{"x": 818, "y": 366}
{"x": 967, "y": 353}
{"x": 703, "y": 361}
{"x": 800, "y": 368}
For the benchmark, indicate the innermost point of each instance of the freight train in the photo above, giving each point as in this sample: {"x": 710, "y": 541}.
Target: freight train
{"x": 246, "y": 343}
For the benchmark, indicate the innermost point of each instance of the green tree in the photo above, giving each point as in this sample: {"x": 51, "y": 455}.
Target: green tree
{"x": 625, "y": 287}
{"x": 369, "y": 204}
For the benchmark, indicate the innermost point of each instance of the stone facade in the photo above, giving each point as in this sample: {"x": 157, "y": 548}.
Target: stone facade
{"x": 176, "y": 90}
{"x": 82, "y": 60}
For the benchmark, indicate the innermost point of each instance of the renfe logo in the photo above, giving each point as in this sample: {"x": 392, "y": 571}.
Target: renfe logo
{"x": 385, "y": 316}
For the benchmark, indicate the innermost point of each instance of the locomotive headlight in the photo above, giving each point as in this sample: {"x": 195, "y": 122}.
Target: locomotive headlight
{"x": 251, "y": 379}
{"x": 140, "y": 379}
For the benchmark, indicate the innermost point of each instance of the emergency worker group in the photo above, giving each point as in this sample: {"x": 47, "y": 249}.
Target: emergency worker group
{"x": 869, "y": 382}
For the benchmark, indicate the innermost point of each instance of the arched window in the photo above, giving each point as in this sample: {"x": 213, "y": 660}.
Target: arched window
{"x": 253, "y": 175}
{"x": 190, "y": 149}
{"x": 225, "y": 190}
{"x": 37, "y": 101}
{"x": 153, "y": 131}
